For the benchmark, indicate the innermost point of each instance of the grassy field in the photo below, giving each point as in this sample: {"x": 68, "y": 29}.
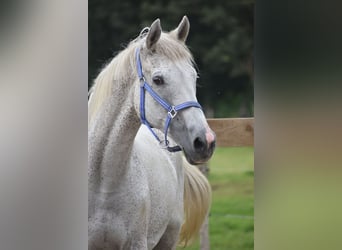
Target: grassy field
{"x": 231, "y": 221}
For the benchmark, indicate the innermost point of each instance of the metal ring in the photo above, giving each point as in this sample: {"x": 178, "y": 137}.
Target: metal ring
{"x": 142, "y": 81}
{"x": 164, "y": 144}
{"x": 144, "y": 31}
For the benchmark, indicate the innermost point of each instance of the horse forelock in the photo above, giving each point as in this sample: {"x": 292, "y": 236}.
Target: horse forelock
{"x": 123, "y": 67}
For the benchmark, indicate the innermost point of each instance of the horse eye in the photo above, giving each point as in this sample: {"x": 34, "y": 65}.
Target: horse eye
{"x": 158, "y": 80}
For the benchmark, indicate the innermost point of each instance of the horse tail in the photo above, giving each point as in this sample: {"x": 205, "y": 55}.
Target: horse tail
{"x": 197, "y": 200}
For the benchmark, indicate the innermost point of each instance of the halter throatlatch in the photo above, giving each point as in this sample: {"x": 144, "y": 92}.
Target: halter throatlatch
{"x": 171, "y": 110}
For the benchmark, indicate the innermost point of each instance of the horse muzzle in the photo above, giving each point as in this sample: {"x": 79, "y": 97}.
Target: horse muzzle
{"x": 203, "y": 147}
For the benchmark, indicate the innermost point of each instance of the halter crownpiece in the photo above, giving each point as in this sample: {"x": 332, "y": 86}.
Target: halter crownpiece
{"x": 171, "y": 110}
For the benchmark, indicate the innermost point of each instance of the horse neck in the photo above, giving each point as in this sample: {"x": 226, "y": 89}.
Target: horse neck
{"x": 111, "y": 139}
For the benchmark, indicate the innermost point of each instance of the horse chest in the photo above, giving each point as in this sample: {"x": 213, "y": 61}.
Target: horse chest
{"x": 120, "y": 218}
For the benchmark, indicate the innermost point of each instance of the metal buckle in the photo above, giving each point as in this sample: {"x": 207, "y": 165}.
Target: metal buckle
{"x": 142, "y": 81}
{"x": 172, "y": 112}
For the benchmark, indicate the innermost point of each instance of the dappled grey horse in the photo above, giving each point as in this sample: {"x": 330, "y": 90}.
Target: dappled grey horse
{"x": 143, "y": 194}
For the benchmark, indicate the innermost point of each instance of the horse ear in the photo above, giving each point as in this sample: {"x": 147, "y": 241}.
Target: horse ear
{"x": 182, "y": 31}
{"x": 154, "y": 34}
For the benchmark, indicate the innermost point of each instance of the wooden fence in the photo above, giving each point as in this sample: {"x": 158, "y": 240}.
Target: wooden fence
{"x": 230, "y": 132}
{"x": 233, "y": 132}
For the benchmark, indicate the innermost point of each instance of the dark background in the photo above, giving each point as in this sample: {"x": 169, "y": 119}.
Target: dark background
{"x": 221, "y": 40}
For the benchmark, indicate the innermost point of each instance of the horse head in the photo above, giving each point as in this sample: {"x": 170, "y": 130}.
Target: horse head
{"x": 165, "y": 96}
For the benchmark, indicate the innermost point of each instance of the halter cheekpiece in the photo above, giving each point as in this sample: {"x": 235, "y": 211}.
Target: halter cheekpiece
{"x": 171, "y": 110}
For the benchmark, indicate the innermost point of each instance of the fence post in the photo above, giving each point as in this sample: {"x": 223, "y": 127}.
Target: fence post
{"x": 204, "y": 232}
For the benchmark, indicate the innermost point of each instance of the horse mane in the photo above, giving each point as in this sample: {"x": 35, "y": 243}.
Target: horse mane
{"x": 123, "y": 67}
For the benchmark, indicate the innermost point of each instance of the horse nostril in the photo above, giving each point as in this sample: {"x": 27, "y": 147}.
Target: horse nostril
{"x": 212, "y": 145}
{"x": 199, "y": 144}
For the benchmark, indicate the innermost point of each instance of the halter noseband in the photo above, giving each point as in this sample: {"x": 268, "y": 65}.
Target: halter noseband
{"x": 171, "y": 110}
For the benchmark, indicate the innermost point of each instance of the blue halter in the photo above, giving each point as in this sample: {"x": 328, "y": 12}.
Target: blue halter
{"x": 171, "y": 110}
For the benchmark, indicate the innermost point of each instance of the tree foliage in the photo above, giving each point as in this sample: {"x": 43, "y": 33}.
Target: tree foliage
{"x": 221, "y": 40}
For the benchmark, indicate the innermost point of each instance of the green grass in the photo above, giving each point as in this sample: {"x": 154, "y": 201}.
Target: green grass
{"x": 231, "y": 221}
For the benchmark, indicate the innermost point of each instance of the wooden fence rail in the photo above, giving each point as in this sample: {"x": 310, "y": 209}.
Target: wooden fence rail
{"x": 233, "y": 132}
